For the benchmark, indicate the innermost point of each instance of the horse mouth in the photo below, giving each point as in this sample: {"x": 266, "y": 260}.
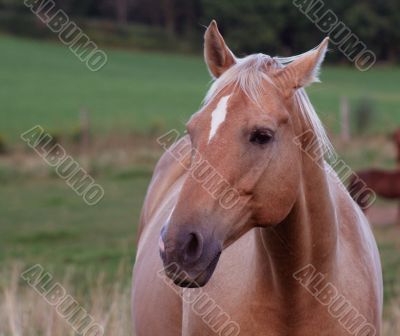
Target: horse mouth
{"x": 201, "y": 279}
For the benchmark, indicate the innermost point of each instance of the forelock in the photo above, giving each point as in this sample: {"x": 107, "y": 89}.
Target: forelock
{"x": 248, "y": 75}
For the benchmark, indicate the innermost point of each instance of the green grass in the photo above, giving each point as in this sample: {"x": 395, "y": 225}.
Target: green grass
{"x": 43, "y": 221}
{"x": 389, "y": 248}
{"x": 44, "y": 83}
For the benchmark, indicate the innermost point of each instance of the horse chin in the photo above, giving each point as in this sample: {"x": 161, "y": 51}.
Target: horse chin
{"x": 201, "y": 279}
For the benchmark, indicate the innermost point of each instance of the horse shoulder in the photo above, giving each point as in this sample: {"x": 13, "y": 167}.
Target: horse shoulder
{"x": 358, "y": 250}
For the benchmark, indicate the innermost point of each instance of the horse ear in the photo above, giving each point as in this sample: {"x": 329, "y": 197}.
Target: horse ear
{"x": 217, "y": 55}
{"x": 304, "y": 70}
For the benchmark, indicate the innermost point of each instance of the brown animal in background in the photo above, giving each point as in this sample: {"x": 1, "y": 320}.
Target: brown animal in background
{"x": 396, "y": 139}
{"x": 385, "y": 184}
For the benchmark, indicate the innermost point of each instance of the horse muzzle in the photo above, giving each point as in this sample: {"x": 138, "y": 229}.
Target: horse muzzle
{"x": 192, "y": 258}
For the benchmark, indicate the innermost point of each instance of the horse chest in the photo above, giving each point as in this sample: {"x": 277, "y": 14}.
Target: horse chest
{"x": 236, "y": 301}
{"x": 243, "y": 293}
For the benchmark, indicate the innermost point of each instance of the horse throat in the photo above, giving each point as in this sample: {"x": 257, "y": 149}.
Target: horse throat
{"x": 309, "y": 234}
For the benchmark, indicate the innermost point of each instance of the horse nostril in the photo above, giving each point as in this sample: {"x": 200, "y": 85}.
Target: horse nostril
{"x": 161, "y": 244}
{"x": 193, "y": 247}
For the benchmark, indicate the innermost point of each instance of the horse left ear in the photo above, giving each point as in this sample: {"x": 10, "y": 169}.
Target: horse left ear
{"x": 304, "y": 70}
{"x": 217, "y": 55}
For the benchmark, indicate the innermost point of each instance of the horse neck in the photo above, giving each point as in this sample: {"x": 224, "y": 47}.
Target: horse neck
{"x": 309, "y": 233}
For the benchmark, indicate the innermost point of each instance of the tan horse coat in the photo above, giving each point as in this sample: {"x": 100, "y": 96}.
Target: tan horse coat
{"x": 304, "y": 263}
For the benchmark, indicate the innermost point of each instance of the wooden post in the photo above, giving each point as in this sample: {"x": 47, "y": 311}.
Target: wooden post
{"x": 344, "y": 119}
{"x": 396, "y": 138}
{"x": 85, "y": 136}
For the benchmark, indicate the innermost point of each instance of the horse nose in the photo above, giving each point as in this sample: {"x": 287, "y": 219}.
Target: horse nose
{"x": 187, "y": 251}
{"x": 192, "y": 247}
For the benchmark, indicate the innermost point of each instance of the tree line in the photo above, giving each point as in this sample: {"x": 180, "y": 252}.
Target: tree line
{"x": 276, "y": 27}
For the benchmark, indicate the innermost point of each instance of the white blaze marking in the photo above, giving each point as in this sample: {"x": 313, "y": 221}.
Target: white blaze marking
{"x": 218, "y": 116}
{"x": 161, "y": 245}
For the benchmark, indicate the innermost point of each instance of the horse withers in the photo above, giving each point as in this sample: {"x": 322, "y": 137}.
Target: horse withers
{"x": 291, "y": 253}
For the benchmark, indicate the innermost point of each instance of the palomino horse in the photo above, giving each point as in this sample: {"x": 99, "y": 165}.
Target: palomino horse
{"x": 287, "y": 252}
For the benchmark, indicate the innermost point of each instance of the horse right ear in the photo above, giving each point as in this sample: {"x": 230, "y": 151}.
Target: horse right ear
{"x": 217, "y": 55}
{"x": 304, "y": 69}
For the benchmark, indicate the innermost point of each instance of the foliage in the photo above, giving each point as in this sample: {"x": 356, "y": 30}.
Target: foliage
{"x": 274, "y": 26}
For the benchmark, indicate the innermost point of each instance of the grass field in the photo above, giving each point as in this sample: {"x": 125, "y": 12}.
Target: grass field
{"x": 43, "y": 221}
{"x": 46, "y": 84}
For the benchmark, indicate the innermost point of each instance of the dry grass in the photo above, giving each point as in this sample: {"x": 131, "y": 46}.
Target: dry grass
{"x": 391, "y": 324}
{"x": 24, "y": 312}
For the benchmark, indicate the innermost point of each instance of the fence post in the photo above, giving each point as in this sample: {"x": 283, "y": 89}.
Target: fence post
{"x": 344, "y": 119}
{"x": 85, "y": 136}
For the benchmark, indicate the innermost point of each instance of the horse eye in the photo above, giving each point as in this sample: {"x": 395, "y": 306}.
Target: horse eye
{"x": 261, "y": 136}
